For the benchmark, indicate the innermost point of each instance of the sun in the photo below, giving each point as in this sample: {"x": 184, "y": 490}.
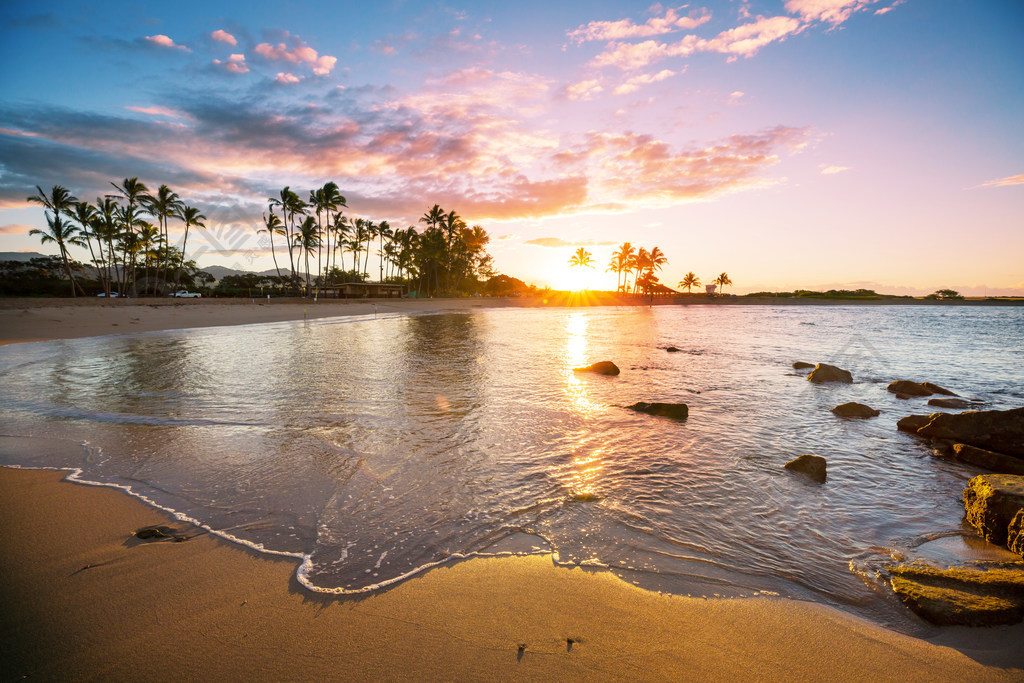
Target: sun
{"x": 576, "y": 279}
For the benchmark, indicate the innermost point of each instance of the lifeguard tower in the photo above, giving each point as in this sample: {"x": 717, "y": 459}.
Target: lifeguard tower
{"x": 710, "y": 289}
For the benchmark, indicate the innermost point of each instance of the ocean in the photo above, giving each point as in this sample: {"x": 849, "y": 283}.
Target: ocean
{"x": 376, "y": 448}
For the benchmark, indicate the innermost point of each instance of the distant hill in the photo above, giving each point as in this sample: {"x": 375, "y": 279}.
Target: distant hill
{"x": 19, "y": 255}
{"x": 220, "y": 272}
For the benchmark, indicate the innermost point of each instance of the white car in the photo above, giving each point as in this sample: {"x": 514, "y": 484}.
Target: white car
{"x": 185, "y": 294}
{"x": 112, "y": 294}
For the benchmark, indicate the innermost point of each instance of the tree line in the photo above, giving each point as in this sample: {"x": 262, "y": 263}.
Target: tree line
{"x": 128, "y": 237}
{"x": 639, "y": 264}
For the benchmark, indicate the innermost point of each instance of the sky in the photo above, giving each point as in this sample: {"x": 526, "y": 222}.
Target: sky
{"x": 810, "y": 144}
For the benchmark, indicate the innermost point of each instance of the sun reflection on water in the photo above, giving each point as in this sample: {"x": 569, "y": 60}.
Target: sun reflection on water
{"x": 575, "y": 355}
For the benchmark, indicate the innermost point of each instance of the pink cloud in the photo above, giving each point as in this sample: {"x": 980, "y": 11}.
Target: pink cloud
{"x": 633, "y": 84}
{"x": 832, "y": 170}
{"x": 222, "y": 36}
{"x": 584, "y": 90}
{"x": 631, "y": 56}
{"x": 558, "y": 243}
{"x": 625, "y": 28}
{"x": 286, "y": 78}
{"x": 15, "y": 229}
{"x": 234, "y": 64}
{"x": 165, "y": 41}
{"x": 832, "y": 11}
{"x": 159, "y": 111}
{"x": 747, "y": 39}
{"x": 298, "y": 53}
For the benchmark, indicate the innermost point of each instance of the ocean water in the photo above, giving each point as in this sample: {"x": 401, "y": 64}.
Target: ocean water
{"x": 376, "y": 448}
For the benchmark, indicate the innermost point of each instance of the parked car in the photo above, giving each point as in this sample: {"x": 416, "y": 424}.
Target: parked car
{"x": 185, "y": 294}
{"x": 112, "y": 294}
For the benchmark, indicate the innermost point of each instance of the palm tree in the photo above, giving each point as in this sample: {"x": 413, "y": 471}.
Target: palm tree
{"x": 84, "y": 214}
{"x": 621, "y": 260}
{"x": 383, "y": 230}
{"x": 133, "y": 192}
{"x": 308, "y": 239}
{"x": 189, "y": 215}
{"x": 722, "y": 280}
{"x": 59, "y": 201}
{"x": 163, "y": 205}
{"x": 272, "y": 226}
{"x": 641, "y": 263}
{"x": 689, "y": 281}
{"x": 581, "y": 258}
{"x": 657, "y": 259}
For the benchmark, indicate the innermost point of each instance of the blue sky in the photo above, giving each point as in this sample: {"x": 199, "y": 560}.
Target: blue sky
{"x": 804, "y": 143}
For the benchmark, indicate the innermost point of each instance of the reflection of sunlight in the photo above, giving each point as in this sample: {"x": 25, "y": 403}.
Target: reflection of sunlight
{"x": 576, "y": 347}
{"x": 583, "y": 481}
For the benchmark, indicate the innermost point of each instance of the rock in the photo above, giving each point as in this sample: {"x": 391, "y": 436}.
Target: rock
{"x": 604, "y": 367}
{"x": 936, "y": 389}
{"x": 829, "y": 373}
{"x": 854, "y": 410}
{"x": 672, "y": 349}
{"x": 990, "y": 460}
{"x": 1015, "y": 533}
{"x": 911, "y": 423}
{"x": 991, "y": 501}
{"x": 1001, "y": 431}
{"x": 813, "y": 466}
{"x": 677, "y": 411}
{"x": 800, "y": 365}
{"x": 984, "y": 594}
{"x": 904, "y": 388}
{"x": 957, "y": 403}
{"x": 160, "y": 533}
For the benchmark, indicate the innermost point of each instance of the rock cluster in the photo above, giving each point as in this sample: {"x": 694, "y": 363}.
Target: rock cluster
{"x": 993, "y": 439}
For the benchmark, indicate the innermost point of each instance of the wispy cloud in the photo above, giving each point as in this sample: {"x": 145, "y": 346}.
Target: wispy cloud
{"x": 633, "y": 84}
{"x": 1004, "y": 182}
{"x": 15, "y": 229}
{"x": 625, "y": 28}
{"x": 831, "y": 11}
{"x": 222, "y": 36}
{"x": 160, "y": 40}
{"x": 558, "y": 242}
{"x": 832, "y": 170}
{"x": 158, "y": 110}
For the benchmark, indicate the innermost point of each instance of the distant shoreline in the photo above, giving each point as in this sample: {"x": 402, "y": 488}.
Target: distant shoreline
{"x": 30, "y": 319}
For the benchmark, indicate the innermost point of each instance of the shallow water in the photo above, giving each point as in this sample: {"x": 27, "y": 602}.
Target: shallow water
{"x": 379, "y": 447}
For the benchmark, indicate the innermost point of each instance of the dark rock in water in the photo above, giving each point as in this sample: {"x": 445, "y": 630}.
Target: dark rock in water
{"x": 936, "y": 389}
{"x": 1015, "y": 533}
{"x": 672, "y": 349}
{"x": 677, "y": 411}
{"x": 1001, "y": 431}
{"x": 604, "y": 367}
{"x": 800, "y": 365}
{"x": 991, "y": 501}
{"x": 911, "y": 423}
{"x": 159, "y": 533}
{"x": 982, "y": 594}
{"x": 904, "y": 387}
{"x": 990, "y": 460}
{"x": 854, "y": 410}
{"x": 829, "y": 373}
{"x": 956, "y": 403}
{"x": 813, "y": 466}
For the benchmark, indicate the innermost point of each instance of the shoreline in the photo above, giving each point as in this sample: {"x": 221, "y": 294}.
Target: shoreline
{"x": 85, "y": 598}
{"x": 75, "y": 574}
{"x": 28, "y": 320}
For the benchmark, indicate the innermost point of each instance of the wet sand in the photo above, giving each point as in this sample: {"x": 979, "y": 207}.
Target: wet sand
{"x": 83, "y": 598}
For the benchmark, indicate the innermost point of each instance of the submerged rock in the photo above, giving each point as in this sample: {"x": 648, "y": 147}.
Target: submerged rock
{"x": 956, "y": 403}
{"x": 814, "y": 466}
{"x": 800, "y": 365}
{"x": 990, "y": 460}
{"x": 904, "y": 388}
{"x": 854, "y": 410}
{"x": 1001, "y": 431}
{"x": 829, "y": 373}
{"x": 991, "y": 502}
{"x": 604, "y": 367}
{"x": 985, "y": 594}
{"x": 677, "y": 411}
{"x": 672, "y": 349}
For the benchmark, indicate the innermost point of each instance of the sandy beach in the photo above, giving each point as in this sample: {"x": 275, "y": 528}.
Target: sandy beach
{"x": 84, "y": 599}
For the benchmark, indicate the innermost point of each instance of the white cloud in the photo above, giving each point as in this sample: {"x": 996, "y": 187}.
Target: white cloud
{"x": 222, "y": 36}
{"x": 832, "y": 170}
{"x": 164, "y": 41}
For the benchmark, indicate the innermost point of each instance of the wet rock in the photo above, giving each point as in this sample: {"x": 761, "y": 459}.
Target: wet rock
{"x": 672, "y": 349}
{"x": 800, "y": 365}
{"x": 956, "y": 403}
{"x": 990, "y": 460}
{"x": 829, "y": 373}
{"x": 160, "y": 533}
{"x": 983, "y": 594}
{"x": 676, "y": 411}
{"x": 936, "y": 389}
{"x": 911, "y": 423}
{"x": 1015, "y": 533}
{"x": 813, "y": 466}
{"x": 854, "y": 410}
{"x": 604, "y": 367}
{"x": 904, "y": 388}
{"x": 991, "y": 501}
{"x": 1001, "y": 431}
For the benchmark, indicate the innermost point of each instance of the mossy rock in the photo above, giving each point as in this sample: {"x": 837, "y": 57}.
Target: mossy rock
{"x": 983, "y": 595}
{"x": 991, "y": 501}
